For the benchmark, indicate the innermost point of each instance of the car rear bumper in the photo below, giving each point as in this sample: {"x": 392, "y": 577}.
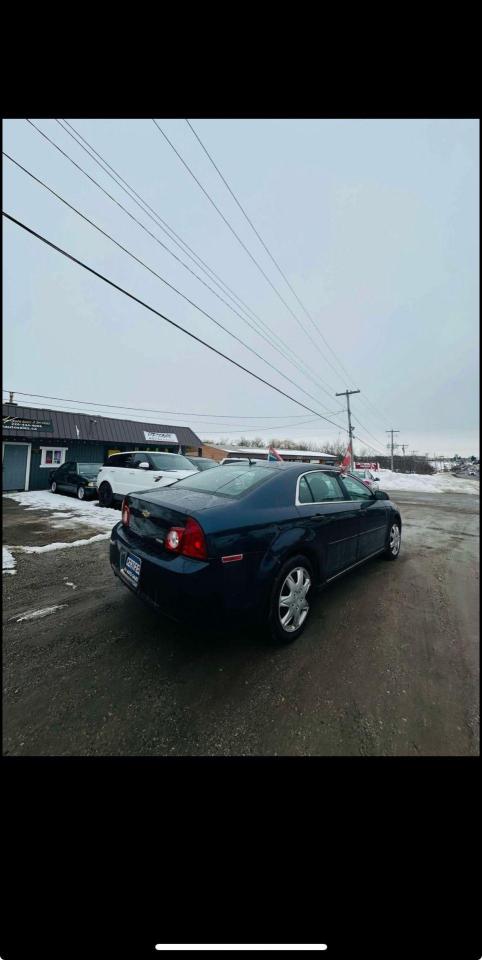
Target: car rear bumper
{"x": 180, "y": 587}
{"x": 189, "y": 590}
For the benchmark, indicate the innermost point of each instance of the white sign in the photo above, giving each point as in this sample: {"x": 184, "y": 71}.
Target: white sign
{"x": 161, "y": 437}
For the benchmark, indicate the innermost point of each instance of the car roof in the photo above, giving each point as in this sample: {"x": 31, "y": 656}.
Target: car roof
{"x": 122, "y": 453}
{"x": 292, "y": 467}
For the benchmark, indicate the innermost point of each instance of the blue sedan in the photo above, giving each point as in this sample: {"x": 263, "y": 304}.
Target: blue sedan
{"x": 255, "y": 539}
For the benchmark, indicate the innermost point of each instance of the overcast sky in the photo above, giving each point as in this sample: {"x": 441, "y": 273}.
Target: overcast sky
{"x": 374, "y": 223}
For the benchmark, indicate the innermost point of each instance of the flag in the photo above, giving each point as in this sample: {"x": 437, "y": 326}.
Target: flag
{"x": 274, "y": 455}
{"x": 346, "y": 462}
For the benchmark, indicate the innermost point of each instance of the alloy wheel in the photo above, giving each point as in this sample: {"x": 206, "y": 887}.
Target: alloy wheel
{"x": 293, "y": 606}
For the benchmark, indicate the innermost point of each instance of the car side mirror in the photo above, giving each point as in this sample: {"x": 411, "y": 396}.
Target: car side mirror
{"x": 380, "y": 495}
{"x": 376, "y": 479}
{"x": 144, "y": 465}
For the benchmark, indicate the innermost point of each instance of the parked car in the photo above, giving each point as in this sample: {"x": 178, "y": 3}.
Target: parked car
{"x": 366, "y": 477}
{"x": 74, "y": 477}
{"x": 255, "y": 539}
{"x": 139, "y": 470}
{"x": 203, "y": 463}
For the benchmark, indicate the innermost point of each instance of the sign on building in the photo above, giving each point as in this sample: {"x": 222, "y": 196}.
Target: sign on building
{"x": 17, "y": 424}
{"x": 160, "y": 437}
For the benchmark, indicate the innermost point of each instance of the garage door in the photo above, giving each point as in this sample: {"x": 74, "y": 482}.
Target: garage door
{"x": 15, "y": 458}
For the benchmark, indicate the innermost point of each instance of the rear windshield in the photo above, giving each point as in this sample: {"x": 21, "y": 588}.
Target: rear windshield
{"x": 89, "y": 469}
{"x": 233, "y": 483}
{"x": 203, "y": 464}
{"x": 170, "y": 461}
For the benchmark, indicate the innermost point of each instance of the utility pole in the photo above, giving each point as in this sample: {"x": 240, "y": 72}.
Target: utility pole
{"x": 392, "y": 432}
{"x": 403, "y": 445}
{"x": 347, "y": 394}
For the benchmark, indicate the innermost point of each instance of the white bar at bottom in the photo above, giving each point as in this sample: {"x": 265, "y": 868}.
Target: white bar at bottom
{"x": 241, "y": 946}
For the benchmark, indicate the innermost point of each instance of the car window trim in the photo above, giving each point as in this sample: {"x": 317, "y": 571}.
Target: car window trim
{"x": 299, "y": 503}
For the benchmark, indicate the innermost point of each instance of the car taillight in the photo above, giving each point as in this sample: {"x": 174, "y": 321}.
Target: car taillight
{"x": 189, "y": 541}
{"x": 126, "y": 513}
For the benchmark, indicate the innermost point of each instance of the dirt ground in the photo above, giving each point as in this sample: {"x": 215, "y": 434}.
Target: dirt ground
{"x": 387, "y": 666}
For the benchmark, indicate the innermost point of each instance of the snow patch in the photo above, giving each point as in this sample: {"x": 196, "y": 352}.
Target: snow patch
{"x": 439, "y": 483}
{"x": 38, "y": 614}
{"x": 8, "y": 561}
{"x": 66, "y": 509}
{"x": 63, "y": 546}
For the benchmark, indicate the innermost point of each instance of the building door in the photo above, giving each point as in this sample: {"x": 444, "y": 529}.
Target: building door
{"x": 16, "y": 463}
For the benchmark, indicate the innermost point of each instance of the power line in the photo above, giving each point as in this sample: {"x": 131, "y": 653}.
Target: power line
{"x": 268, "y": 251}
{"x": 243, "y": 211}
{"x": 173, "y": 323}
{"x": 180, "y": 413}
{"x": 159, "y": 277}
{"x": 163, "y": 245}
{"x": 369, "y": 445}
{"x": 238, "y": 238}
{"x": 274, "y": 340}
{"x": 377, "y": 440}
{"x": 168, "y": 230}
{"x": 199, "y": 425}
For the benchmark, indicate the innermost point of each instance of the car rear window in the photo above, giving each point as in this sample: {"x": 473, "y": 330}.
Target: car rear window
{"x": 89, "y": 469}
{"x": 233, "y": 483}
{"x": 170, "y": 461}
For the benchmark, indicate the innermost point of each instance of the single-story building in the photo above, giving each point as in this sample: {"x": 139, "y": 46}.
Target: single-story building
{"x": 36, "y": 441}
{"x": 261, "y": 453}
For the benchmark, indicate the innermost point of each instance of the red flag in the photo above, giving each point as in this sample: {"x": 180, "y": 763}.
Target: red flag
{"x": 273, "y": 454}
{"x": 346, "y": 462}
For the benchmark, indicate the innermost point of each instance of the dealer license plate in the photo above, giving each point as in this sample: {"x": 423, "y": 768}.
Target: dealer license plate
{"x": 131, "y": 568}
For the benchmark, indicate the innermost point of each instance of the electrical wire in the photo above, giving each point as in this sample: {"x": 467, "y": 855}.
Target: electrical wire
{"x": 180, "y": 413}
{"x": 268, "y": 251}
{"x": 159, "y": 277}
{"x": 158, "y": 220}
{"x": 238, "y": 238}
{"x": 172, "y": 323}
{"x": 163, "y": 245}
{"x": 194, "y": 423}
{"x": 243, "y": 211}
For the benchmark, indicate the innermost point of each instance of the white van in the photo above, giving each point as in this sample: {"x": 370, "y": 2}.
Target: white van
{"x": 134, "y": 470}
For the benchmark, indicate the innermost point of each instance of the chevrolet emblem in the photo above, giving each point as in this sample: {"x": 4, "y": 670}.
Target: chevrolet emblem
{"x": 145, "y": 513}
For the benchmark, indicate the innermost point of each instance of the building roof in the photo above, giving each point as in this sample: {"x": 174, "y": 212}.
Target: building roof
{"x": 83, "y": 426}
{"x": 252, "y": 451}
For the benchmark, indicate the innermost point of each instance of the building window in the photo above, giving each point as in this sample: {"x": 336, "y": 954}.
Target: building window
{"x": 52, "y": 456}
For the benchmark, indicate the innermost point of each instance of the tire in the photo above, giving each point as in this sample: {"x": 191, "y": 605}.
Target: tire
{"x": 299, "y": 572}
{"x": 394, "y": 541}
{"x": 53, "y": 486}
{"x": 106, "y": 497}
{"x": 81, "y": 493}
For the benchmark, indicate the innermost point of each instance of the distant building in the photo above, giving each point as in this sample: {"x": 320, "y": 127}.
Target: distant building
{"x": 36, "y": 441}
{"x": 261, "y": 453}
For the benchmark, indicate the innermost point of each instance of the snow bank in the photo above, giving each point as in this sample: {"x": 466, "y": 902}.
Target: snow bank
{"x": 63, "y": 546}
{"x": 74, "y": 512}
{"x": 439, "y": 483}
{"x": 8, "y": 561}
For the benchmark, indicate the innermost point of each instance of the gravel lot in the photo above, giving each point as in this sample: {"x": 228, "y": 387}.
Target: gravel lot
{"x": 388, "y": 665}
